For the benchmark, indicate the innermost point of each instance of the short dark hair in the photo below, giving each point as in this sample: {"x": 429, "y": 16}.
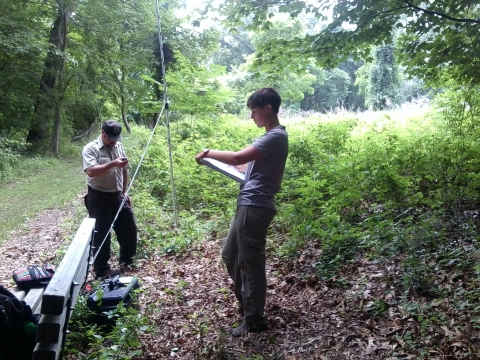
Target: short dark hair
{"x": 264, "y": 97}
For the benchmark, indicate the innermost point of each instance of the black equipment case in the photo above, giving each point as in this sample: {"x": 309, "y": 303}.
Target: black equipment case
{"x": 115, "y": 290}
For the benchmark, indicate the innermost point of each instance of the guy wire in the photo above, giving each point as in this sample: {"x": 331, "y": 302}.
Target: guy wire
{"x": 129, "y": 185}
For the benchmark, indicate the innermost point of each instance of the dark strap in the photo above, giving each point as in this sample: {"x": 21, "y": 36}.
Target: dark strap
{"x": 115, "y": 193}
{"x": 35, "y": 270}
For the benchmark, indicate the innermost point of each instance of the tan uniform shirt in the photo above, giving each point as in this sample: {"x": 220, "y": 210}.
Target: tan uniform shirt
{"x": 95, "y": 153}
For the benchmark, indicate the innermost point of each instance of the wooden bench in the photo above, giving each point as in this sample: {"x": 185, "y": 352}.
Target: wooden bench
{"x": 56, "y": 302}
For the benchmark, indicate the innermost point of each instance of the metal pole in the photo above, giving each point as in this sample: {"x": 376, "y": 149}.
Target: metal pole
{"x": 167, "y": 119}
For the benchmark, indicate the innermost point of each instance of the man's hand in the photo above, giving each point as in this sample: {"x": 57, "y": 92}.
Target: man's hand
{"x": 199, "y": 156}
{"x": 242, "y": 168}
{"x": 120, "y": 162}
{"x": 102, "y": 169}
{"x": 127, "y": 199}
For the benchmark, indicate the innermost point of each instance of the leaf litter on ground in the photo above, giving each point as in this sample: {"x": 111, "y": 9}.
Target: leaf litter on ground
{"x": 358, "y": 314}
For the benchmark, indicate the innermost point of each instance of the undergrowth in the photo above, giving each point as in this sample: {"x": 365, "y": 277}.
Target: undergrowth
{"x": 113, "y": 334}
{"x": 400, "y": 192}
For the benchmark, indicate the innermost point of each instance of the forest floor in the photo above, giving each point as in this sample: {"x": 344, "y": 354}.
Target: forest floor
{"x": 191, "y": 307}
{"x": 189, "y": 301}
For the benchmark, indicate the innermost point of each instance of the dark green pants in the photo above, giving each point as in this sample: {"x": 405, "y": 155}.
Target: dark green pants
{"x": 244, "y": 255}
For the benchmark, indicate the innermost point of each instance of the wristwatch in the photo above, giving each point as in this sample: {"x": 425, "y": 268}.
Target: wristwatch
{"x": 205, "y": 152}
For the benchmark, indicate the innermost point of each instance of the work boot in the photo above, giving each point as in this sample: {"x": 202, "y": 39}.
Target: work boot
{"x": 245, "y": 328}
{"x": 127, "y": 265}
{"x": 106, "y": 274}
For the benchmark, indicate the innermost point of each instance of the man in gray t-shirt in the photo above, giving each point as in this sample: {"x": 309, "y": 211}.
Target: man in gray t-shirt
{"x": 244, "y": 249}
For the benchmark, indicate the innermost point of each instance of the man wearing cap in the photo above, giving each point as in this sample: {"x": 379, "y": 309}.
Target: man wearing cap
{"x": 106, "y": 166}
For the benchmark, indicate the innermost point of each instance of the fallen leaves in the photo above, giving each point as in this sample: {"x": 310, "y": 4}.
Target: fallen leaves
{"x": 190, "y": 305}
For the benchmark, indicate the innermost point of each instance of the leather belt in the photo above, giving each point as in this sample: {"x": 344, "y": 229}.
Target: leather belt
{"x": 105, "y": 192}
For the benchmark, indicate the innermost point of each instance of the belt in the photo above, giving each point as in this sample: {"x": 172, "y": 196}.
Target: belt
{"x": 105, "y": 192}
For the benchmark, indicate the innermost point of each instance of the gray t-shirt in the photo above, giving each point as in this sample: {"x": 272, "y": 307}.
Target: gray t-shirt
{"x": 95, "y": 153}
{"x": 264, "y": 176}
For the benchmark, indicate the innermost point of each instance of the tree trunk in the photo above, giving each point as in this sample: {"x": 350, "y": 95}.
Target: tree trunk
{"x": 51, "y": 72}
{"x": 58, "y": 110}
{"x": 57, "y": 120}
{"x": 124, "y": 104}
{"x": 124, "y": 116}
{"x": 120, "y": 80}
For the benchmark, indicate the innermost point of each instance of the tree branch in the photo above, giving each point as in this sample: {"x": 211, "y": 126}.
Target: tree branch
{"x": 68, "y": 83}
{"x": 431, "y": 12}
{"x": 83, "y": 135}
{"x": 385, "y": 13}
{"x": 335, "y": 45}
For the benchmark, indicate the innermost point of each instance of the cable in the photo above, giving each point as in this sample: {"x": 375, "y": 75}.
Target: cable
{"x": 167, "y": 123}
{"x": 129, "y": 185}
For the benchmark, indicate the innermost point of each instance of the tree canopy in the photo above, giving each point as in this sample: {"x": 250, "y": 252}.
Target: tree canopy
{"x": 68, "y": 64}
{"x": 435, "y": 38}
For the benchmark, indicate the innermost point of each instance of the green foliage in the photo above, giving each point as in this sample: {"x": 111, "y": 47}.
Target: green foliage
{"x": 248, "y": 77}
{"x": 378, "y": 81}
{"x": 23, "y": 46}
{"x": 188, "y": 138}
{"x": 194, "y": 89}
{"x": 108, "y": 66}
{"x": 459, "y": 110}
{"x": 340, "y": 248}
{"x": 355, "y": 100}
{"x": 93, "y": 74}
{"x": 383, "y": 78}
{"x": 362, "y": 79}
{"x": 356, "y": 184}
{"x": 330, "y": 90}
{"x": 350, "y": 175}
{"x": 113, "y": 334}
{"x": 443, "y": 32}
{"x": 17, "y": 162}
{"x": 411, "y": 89}
{"x": 291, "y": 86}
{"x": 56, "y": 182}
{"x": 283, "y": 28}
{"x": 10, "y": 153}
{"x": 232, "y": 49}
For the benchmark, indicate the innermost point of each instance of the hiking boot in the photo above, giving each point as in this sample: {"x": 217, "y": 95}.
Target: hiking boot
{"x": 248, "y": 328}
{"x": 100, "y": 275}
{"x": 126, "y": 267}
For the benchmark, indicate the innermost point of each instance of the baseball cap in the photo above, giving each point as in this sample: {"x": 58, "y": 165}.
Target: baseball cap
{"x": 112, "y": 129}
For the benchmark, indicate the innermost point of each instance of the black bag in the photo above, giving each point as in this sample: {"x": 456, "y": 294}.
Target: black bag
{"x": 113, "y": 292}
{"x": 18, "y": 328}
{"x": 33, "y": 276}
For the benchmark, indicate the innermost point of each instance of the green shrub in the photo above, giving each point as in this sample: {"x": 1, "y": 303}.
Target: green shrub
{"x": 348, "y": 178}
{"x": 112, "y": 335}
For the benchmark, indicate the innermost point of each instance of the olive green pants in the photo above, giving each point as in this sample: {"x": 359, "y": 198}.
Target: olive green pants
{"x": 244, "y": 255}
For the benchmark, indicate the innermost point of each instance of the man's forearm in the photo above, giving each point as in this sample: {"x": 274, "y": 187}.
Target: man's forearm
{"x": 99, "y": 169}
{"x": 235, "y": 158}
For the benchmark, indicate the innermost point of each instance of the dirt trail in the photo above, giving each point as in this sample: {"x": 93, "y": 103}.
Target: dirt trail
{"x": 36, "y": 242}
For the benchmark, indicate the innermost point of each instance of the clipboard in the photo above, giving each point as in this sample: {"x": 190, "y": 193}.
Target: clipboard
{"x": 231, "y": 171}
